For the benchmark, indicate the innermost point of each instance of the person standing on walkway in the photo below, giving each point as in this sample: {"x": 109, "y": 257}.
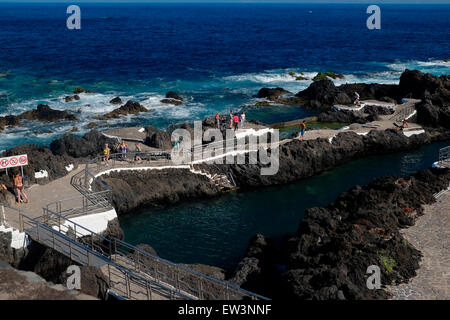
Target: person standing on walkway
{"x": 123, "y": 149}
{"x": 302, "y": 129}
{"x": 138, "y": 155}
{"x": 223, "y": 125}
{"x": 19, "y": 188}
{"x": 218, "y": 120}
{"x": 356, "y": 98}
{"x": 236, "y": 121}
{"x": 242, "y": 119}
{"x": 106, "y": 152}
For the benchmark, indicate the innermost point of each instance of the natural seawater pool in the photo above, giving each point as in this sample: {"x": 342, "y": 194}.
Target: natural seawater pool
{"x": 216, "y": 231}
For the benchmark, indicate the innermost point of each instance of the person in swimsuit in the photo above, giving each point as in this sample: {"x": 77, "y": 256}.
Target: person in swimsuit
{"x": 123, "y": 149}
{"x": 106, "y": 152}
{"x": 138, "y": 150}
{"x": 19, "y": 188}
{"x": 356, "y": 98}
{"x": 302, "y": 129}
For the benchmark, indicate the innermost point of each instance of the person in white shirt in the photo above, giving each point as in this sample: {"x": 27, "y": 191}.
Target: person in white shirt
{"x": 242, "y": 119}
{"x": 356, "y": 98}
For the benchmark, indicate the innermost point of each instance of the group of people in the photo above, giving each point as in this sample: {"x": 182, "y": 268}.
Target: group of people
{"x": 232, "y": 122}
{"x": 123, "y": 147}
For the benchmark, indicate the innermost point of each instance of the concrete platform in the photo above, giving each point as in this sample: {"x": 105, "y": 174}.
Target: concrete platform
{"x": 430, "y": 235}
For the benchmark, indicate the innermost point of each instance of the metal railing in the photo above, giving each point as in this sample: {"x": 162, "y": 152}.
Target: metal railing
{"x": 444, "y": 155}
{"x": 88, "y": 248}
{"x": 142, "y": 274}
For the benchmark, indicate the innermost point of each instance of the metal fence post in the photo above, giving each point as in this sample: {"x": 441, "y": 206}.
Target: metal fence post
{"x": 149, "y": 290}
{"x": 127, "y": 281}
{"x": 2, "y": 216}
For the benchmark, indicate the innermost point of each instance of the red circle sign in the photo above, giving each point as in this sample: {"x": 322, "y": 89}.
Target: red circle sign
{"x": 13, "y": 161}
{"x": 4, "y": 162}
{"x": 23, "y": 159}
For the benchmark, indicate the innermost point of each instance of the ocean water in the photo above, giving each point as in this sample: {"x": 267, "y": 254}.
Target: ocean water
{"x": 217, "y": 231}
{"x": 216, "y": 55}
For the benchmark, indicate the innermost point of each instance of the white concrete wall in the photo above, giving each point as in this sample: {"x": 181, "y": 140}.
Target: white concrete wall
{"x": 97, "y": 222}
{"x": 17, "y": 237}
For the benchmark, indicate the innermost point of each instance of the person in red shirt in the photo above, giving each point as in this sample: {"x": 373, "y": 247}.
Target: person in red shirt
{"x": 236, "y": 122}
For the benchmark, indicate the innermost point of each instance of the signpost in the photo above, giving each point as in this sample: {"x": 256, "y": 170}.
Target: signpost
{"x": 14, "y": 161}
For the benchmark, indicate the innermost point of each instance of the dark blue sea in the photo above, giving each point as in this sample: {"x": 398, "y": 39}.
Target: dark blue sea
{"x": 215, "y": 55}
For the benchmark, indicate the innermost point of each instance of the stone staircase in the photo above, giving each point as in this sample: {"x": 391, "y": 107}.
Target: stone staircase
{"x": 221, "y": 181}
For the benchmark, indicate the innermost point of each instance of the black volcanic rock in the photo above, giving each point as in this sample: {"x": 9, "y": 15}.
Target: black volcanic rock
{"x": 172, "y": 101}
{"x": 271, "y": 93}
{"x": 90, "y": 145}
{"x": 320, "y": 93}
{"x": 173, "y": 95}
{"x": 44, "y": 113}
{"x": 81, "y": 90}
{"x": 9, "y": 121}
{"x": 328, "y": 256}
{"x": 116, "y": 100}
{"x": 173, "y": 98}
{"x": 166, "y": 186}
{"x": 131, "y": 107}
{"x": 343, "y": 116}
{"x": 324, "y": 94}
{"x": 158, "y": 138}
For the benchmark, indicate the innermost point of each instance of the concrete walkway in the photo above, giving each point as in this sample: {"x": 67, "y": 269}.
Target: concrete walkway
{"x": 41, "y": 195}
{"x": 430, "y": 235}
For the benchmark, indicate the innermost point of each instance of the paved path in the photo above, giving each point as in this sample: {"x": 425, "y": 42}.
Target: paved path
{"x": 41, "y": 195}
{"x": 430, "y": 235}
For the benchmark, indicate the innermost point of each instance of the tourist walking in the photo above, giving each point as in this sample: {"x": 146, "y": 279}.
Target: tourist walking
{"x": 356, "y": 98}
{"x": 138, "y": 150}
{"x": 236, "y": 121}
{"x": 218, "y": 120}
{"x": 123, "y": 149}
{"x": 302, "y": 129}
{"x": 19, "y": 188}
{"x": 106, "y": 153}
{"x": 242, "y": 119}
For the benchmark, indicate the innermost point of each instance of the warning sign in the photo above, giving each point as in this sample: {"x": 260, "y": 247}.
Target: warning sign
{"x": 14, "y": 161}
{"x": 23, "y": 160}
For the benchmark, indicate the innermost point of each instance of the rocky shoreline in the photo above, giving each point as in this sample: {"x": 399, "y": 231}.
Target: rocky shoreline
{"x": 328, "y": 256}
